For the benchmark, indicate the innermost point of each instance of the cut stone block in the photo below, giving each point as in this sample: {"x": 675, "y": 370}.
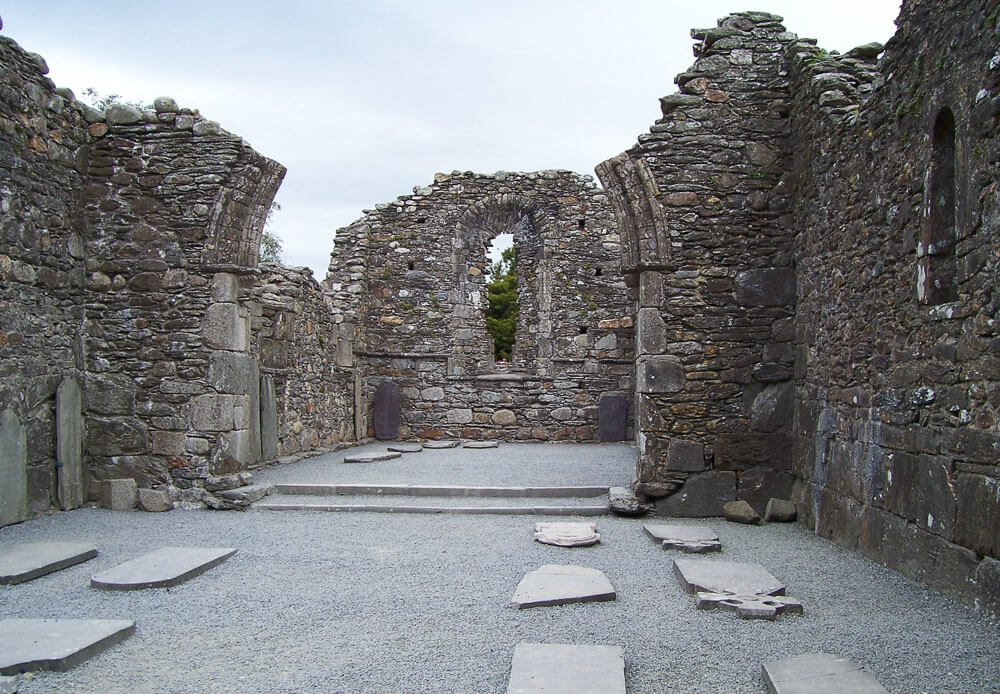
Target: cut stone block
{"x": 386, "y": 414}
{"x": 370, "y": 457}
{"x": 552, "y": 668}
{"x": 567, "y": 534}
{"x": 556, "y": 584}
{"x": 481, "y": 444}
{"x": 13, "y": 469}
{"x": 29, "y": 560}
{"x": 702, "y": 495}
{"x": 441, "y": 444}
{"x": 612, "y": 417}
{"x": 268, "y": 418}
{"x": 69, "y": 444}
{"x": 154, "y": 500}
{"x": 750, "y": 606}
{"x": 726, "y": 577}
{"x": 56, "y": 644}
{"x": 685, "y": 456}
{"x": 693, "y": 539}
{"x": 119, "y": 495}
{"x": 780, "y": 511}
{"x": 818, "y": 673}
{"x": 404, "y": 447}
{"x": 162, "y": 568}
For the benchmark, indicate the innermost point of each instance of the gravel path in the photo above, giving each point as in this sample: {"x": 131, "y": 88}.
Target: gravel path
{"x": 366, "y": 603}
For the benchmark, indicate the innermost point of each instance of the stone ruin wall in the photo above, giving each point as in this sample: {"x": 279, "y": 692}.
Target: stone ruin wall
{"x": 897, "y": 423}
{"x": 408, "y": 283}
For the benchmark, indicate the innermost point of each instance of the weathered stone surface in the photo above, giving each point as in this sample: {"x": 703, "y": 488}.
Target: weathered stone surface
{"x": 404, "y": 447}
{"x": 613, "y": 417}
{"x": 549, "y": 668}
{"x": 370, "y": 457}
{"x": 750, "y": 606}
{"x": 766, "y": 287}
{"x": 726, "y": 577}
{"x": 161, "y": 568}
{"x": 772, "y": 408}
{"x": 780, "y": 511}
{"x": 685, "y": 456}
{"x": 268, "y": 418}
{"x": 661, "y": 374}
{"x": 694, "y": 539}
{"x": 69, "y": 444}
{"x": 702, "y": 495}
{"x": 656, "y": 490}
{"x": 120, "y": 494}
{"x": 651, "y": 332}
{"x": 818, "y": 673}
{"x": 25, "y": 561}
{"x": 481, "y": 444}
{"x": 9, "y": 685}
{"x": 386, "y": 411}
{"x": 757, "y": 485}
{"x": 555, "y": 584}
{"x": 13, "y": 469}
{"x": 624, "y": 503}
{"x": 27, "y": 645}
{"x": 154, "y": 500}
{"x": 567, "y": 534}
{"x": 224, "y": 327}
{"x": 740, "y": 512}
{"x": 504, "y": 418}
{"x": 441, "y": 444}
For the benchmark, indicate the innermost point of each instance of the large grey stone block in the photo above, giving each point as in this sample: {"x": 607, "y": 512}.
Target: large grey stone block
{"x": 556, "y": 584}
{"x": 69, "y": 444}
{"x": 230, "y": 372}
{"x": 818, "y": 673}
{"x": 56, "y": 644}
{"x": 268, "y": 418}
{"x": 685, "y": 456}
{"x": 119, "y": 495}
{"x": 162, "y": 568}
{"x": 28, "y": 560}
{"x": 13, "y": 469}
{"x": 225, "y": 327}
{"x": 703, "y": 495}
{"x": 612, "y": 417}
{"x": 662, "y": 374}
{"x": 726, "y": 577}
{"x": 773, "y": 286}
{"x": 552, "y": 668}
{"x": 387, "y": 411}
{"x": 651, "y": 332}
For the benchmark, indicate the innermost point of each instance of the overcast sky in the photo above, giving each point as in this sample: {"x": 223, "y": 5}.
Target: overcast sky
{"x": 364, "y": 100}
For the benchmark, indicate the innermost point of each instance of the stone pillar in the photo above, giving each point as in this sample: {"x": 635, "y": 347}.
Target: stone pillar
{"x": 268, "y": 418}
{"x": 69, "y": 444}
{"x": 13, "y": 469}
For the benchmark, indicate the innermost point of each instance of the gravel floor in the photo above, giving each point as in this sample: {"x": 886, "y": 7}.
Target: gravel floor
{"x": 359, "y": 603}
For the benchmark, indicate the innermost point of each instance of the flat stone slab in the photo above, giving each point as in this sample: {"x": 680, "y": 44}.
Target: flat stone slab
{"x": 9, "y": 685}
{"x": 23, "y": 562}
{"x": 404, "y": 447}
{"x": 750, "y": 606}
{"x": 56, "y": 644}
{"x": 441, "y": 444}
{"x": 559, "y": 584}
{"x": 567, "y": 534}
{"x": 481, "y": 444}
{"x": 555, "y": 668}
{"x": 693, "y": 539}
{"x": 370, "y": 457}
{"x": 161, "y": 568}
{"x": 818, "y": 673}
{"x": 726, "y": 577}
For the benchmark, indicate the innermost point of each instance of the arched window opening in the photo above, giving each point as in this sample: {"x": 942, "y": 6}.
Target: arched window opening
{"x": 502, "y": 296}
{"x": 936, "y": 282}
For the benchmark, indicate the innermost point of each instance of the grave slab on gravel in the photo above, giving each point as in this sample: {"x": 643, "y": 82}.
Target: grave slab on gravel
{"x": 8, "y": 685}
{"x": 750, "y": 606}
{"x": 480, "y": 444}
{"x": 567, "y": 534}
{"x": 56, "y": 644}
{"x": 726, "y": 577}
{"x": 404, "y": 447}
{"x": 28, "y": 560}
{"x": 555, "y": 668}
{"x": 370, "y": 457}
{"x": 692, "y": 539}
{"x": 818, "y": 673}
{"x": 441, "y": 444}
{"x": 162, "y": 568}
{"x": 561, "y": 584}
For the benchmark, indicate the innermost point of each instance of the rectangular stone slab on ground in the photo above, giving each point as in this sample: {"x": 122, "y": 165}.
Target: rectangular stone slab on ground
{"x": 686, "y": 538}
{"x": 8, "y": 685}
{"x": 371, "y": 457}
{"x": 56, "y": 644}
{"x": 23, "y": 562}
{"x": 726, "y": 577}
{"x": 558, "y": 584}
{"x": 818, "y": 673}
{"x": 161, "y": 568}
{"x": 555, "y": 668}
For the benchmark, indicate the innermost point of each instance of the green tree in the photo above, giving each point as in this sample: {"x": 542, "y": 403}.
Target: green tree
{"x": 501, "y": 314}
{"x": 270, "y": 245}
{"x": 102, "y": 101}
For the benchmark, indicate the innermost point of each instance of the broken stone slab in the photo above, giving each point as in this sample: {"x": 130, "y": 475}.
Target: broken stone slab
{"x": 750, "y": 606}
{"x": 567, "y": 534}
{"x": 162, "y": 568}
{"x": 480, "y": 444}
{"x": 441, "y": 444}
{"x": 154, "y": 500}
{"x": 554, "y": 668}
{"x": 693, "y": 539}
{"x": 370, "y": 457}
{"x": 23, "y": 562}
{"x": 740, "y": 512}
{"x": 818, "y": 673}
{"x": 249, "y": 494}
{"x": 624, "y": 503}
{"x": 780, "y": 511}
{"x": 561, "y": 584}
{"x": 56, "y": 644}
{"x": 404, "y": 447}
{"x": 726, "y": 577}
{"x": 120, "y": 494}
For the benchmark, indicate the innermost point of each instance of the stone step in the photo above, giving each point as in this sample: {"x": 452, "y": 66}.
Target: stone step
{"x": 440, "y": 490}
{"x": 542, "y": 506}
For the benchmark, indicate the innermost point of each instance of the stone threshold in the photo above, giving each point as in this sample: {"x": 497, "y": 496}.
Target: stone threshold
{"x": 590, "y": 510}
{"x": 440, "y": 490}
